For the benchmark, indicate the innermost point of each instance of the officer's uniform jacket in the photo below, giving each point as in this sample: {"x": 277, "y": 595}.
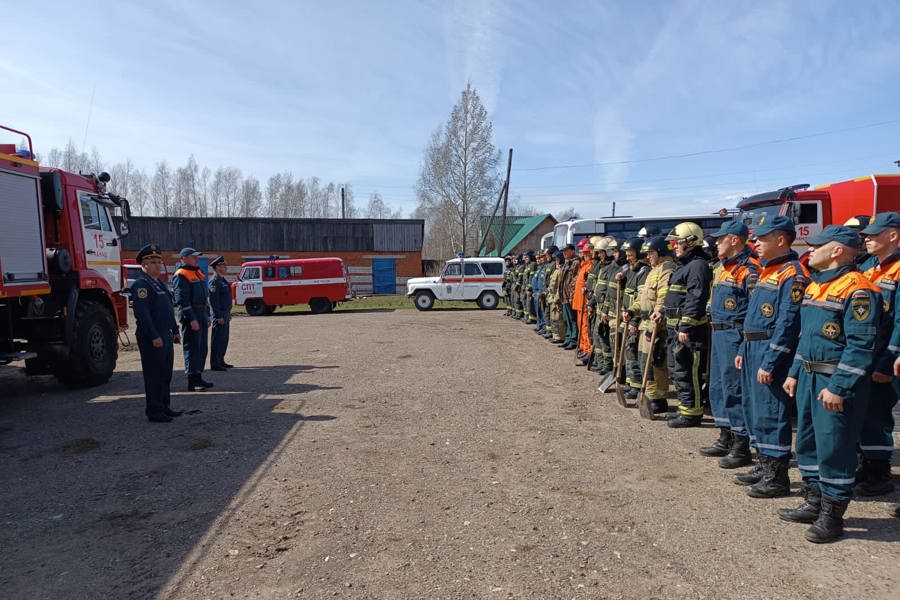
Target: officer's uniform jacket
{"x": 153, "y": 309}
{"x": 688, "y": 294}
{"x": 733, "y": 281}
{"x": 887, "y": 346}
{"x": 841, "y": 310}
{"x": 191, "y": 294}
{"x": 220, "y": 297}
{"x": 653, "y": 293}
{"x": 773, "y": 311}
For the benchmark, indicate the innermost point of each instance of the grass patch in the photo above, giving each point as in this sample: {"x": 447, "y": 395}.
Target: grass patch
{"x": 388, "y": 302}
{"x": 79, "y": 446}
{"x": 200, "y": 443}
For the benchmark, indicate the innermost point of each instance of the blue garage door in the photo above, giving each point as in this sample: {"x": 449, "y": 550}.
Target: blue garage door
{"x": 384, "y": 276}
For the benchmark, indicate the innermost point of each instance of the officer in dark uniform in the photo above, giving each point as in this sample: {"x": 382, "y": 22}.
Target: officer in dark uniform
{"x": 191, "y": 296}
{"x": 831, "y": 378}
{"x": 687, "y": 323}
{"x": 156, "y": 333}
{"x": 220, "y": 303}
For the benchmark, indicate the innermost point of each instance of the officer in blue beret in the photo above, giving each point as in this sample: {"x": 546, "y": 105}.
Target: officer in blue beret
{"x": 192, "y": 297}
{"x": 156, "y": 333}
{"x": 220, "y": 303}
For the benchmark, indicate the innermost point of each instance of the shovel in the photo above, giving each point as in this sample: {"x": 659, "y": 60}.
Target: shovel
{"x": 607, "y": 382}
{"x": 643, "y": 402}
{"x": 620, "y": 370}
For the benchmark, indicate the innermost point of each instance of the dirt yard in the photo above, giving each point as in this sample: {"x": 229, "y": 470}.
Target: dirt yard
{"x": 394, "y": 454}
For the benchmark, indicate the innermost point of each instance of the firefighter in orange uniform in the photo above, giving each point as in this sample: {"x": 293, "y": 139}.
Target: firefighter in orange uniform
{"x": 579, "y": 303}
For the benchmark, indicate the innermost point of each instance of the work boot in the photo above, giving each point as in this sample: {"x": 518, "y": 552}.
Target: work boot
{"x": 829, "y": 525}
{"x": 807, "y": 512}
{"x": 878, "y": 481}
{"x": 862, "y": 468}
{"x": 750, "y": 477}
{"x": 678, "y": 421}
{"x": 631, "y": 394}
{"x": 660, "y": 406}
{"x": 195, "y": 383}
{"x": 580, "y": 355}
{"x": 721, "y": 446}
{"x": 739, "y": 453}
{"x": 203, "y": 382}
{"x": 775, "y": 482}
{"x": 173, "y": 413}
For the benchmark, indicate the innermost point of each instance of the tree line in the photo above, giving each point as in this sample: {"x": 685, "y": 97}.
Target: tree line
{"x": 192, "y": 190}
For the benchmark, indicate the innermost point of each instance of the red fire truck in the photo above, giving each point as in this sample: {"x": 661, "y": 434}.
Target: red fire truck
{"x": 264, "y": 285}
{"x": 833, "y": 204}
{"x": 61, "y": 306}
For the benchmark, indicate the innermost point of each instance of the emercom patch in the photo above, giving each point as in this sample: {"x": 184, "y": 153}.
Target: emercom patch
{"x": 861, "y": 308}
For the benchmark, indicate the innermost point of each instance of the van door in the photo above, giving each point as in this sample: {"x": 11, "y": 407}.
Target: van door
{"x": 101, "y": 243}
{"x": 474, "y": 281}
{"x": 249, "y": 285}
{"x": 451, "y": 283}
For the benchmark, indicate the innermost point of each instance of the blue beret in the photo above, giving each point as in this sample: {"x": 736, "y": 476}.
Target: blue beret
{"x": 731, "y": 228}
{"x": 882, "y": 221}
{"x": 779, "y": 223}
{"x": 148, "y": 251}
{"x": 835, "y": 233}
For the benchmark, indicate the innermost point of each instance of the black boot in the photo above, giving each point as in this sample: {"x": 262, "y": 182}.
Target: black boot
{"x": 721, "y": 446}
{"x": 738, "y": 455}
{"x": 807, "y": 512}
{"x": 878, "y": 481}
{"x": 678, "y": 421}
{"x": 631, "y": 393}
{"x": 829, "y": 526}
{"x": 862, "y": 469}
{"x": 203, "y": 382}
{"x": 194, "y": 383}
{"x": 752, "y": 476}
{"x": 775, "y": 482}
{"x": 659, "y": 406}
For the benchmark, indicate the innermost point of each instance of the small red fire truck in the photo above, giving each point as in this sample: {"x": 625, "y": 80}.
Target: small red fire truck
{"x": 264, "y": 285}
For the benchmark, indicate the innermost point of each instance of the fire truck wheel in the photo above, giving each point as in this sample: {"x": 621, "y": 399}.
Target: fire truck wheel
{"x": 320, "y": 305}
{"x": 424, "y": 300}
{"x": 488, "y": 300}
{"x": 255, "y": 308}
{"x": 92, "y": 357}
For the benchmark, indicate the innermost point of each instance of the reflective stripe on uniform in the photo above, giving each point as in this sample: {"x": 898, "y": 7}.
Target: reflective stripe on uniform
{"x": 849, "y": 369}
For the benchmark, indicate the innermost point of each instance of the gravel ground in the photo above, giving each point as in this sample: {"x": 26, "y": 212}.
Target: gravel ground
{"x": 395, "y": 454}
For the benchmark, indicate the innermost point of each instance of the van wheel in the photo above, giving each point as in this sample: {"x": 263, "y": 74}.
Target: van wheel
{"x": 488, "y": 300}
{"x": 424, "y": 300}
{"x": 255, "y": 308}
{"x": 320, "y": 305}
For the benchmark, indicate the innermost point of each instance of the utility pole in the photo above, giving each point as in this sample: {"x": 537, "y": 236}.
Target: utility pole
{"x": 505, "y": 200}
{"x": 343, "y": 204}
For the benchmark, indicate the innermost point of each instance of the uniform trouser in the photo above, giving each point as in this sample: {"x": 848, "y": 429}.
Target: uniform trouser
{"x": 876, "y": 441}
{"x": 156, "y": 367}
{"x": 602, "y": 347}
{"x": 767, "y": 408}
{"x": 539, "y": 311}
{"x": 826, "y": 441}
{"x": 569, "y": 320}
{"x": 584, "y": 330}
{"x": 725, "y": 381}
{"x": 218, "y": 343}
{"x": 556, "y": 324}
{"x": 658, "y": 377}
{"x": 633, "y": 374}
{"x": 195, "y": 345}
{"x": 514, "y": 302}
{"x": 530, "y": 310}
{"x": 687, "y": 365}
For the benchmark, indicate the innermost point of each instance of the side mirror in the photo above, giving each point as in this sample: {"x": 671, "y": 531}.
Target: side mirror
{"x": 115, "y": 242}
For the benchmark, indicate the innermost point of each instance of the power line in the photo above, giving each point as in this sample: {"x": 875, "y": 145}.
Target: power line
{"x": 712, "y": 151}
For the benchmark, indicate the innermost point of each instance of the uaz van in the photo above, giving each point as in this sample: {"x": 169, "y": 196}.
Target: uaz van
{"x": 264, "y": 285}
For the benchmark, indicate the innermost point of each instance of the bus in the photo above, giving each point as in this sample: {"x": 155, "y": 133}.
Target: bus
{"x": 573, "y": 231}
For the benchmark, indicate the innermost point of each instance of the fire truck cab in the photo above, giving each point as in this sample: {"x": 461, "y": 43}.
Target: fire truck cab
{"x": 814, "y": 209}
{"x": 61, "y": 305}
{"x": 263, "y": 286}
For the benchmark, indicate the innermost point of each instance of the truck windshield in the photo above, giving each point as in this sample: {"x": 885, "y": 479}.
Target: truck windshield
{"x": 758, "y": 215}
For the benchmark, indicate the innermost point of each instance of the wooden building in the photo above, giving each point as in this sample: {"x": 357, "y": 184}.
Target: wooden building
{"x": 381, "y": 254}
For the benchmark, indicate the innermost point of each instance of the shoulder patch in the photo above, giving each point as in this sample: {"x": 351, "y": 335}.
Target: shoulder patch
{"x": 861, "y": 307}
{"x": 797, "y": 293}
{"x": 142, "y": 293}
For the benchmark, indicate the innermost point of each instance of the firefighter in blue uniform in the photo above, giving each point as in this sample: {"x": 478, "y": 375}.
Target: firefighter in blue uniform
{"x": 156, "y": 333}
{"x": 771, "y": 329}
{"x": 876, "y": 443}
{"x": 830, "y": 377}
{"x": 687, "y": 323}
{"x": 220, "y": 303}
{"x": 733, "y": 280}
{"x": 191, "y": 297}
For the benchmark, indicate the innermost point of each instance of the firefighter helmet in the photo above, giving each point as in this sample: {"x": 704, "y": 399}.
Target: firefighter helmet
{"x": 686, "y": 232}
{"x": 635, "y": 244}
{"x": 659, "y": 245}
{"x": 611, "y": 242}
{"x": 595, "y": 241}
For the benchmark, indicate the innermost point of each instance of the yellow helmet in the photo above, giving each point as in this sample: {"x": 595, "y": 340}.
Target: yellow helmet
{"x": 599, "y": 243}
{"x": 611, "y": 242}
{"x": 595, "y": 240}
{"x": 687, "y": 232}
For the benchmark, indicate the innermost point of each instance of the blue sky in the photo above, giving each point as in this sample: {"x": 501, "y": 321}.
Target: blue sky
{"x": 351, "y": 91}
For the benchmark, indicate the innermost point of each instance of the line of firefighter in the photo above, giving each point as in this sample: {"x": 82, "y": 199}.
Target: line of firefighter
{"x": 727, "y": 325}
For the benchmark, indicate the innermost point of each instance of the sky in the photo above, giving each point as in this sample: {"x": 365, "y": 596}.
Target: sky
{"x": 678, "y": 107}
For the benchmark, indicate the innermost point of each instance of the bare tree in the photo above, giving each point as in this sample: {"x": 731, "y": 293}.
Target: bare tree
{"x": 161, "y": 190}
{"x": 251, "y": 198}
{"x": 379, "y": 209}
{"x": 459, "y": 174}
{"x": 569, "y": 213}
